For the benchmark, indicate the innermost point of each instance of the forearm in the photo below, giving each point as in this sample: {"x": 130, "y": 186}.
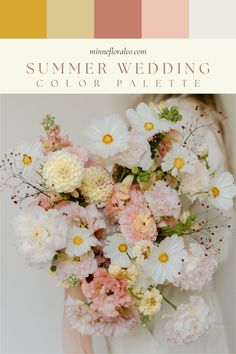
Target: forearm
{"x": 73, "y": 341}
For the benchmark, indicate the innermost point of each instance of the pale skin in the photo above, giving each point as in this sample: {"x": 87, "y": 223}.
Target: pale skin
{"x": 73, "y": 342}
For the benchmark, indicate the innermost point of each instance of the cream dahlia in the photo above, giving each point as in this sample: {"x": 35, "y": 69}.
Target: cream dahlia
{"x": 63, "y": 172}
{"x": 150, "y": 302}
{"x": 96, "y": 185}
{"x": 142, "y": 250}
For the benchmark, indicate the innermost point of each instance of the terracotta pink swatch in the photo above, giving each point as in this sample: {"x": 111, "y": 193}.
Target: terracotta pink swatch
{"x": 118, "y": 18}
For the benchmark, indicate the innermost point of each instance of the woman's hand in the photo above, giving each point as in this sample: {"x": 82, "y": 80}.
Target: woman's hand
{"x": 73, "y": 341}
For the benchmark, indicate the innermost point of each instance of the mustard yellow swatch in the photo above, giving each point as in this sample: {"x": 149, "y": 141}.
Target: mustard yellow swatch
{"x": 23, "y": 19}
{"x": 70, "y": 18}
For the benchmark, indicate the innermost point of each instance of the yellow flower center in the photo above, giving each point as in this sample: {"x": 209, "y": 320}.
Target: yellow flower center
{"x": 123, "y": 247}
{"x": 27, "y": 160}
{"x": 148, "y": 126}
{"x": 163, "y": 257}
{"x": 151, "y": 301}
{"x": 179, "y": 163}
{"x": 107, "y": 139}
{"x": 76, "y": 259}
{"x": 78, "y": 240}
{"x": 146, "y": 252}
{"x": 215, "y": 192}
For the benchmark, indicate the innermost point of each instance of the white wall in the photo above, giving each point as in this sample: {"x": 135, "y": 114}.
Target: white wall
{"x": 31, "y": 303}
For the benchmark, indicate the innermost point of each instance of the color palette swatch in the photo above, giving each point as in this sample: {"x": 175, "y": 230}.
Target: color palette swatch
{"x": 94, "y": 18}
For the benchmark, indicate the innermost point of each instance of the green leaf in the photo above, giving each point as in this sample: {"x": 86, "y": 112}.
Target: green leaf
{"x": 172, "y": 114}
{"x": 48, "y": 123}
{"x": 144, "y": 176}
{"x": 179, "y": 229}
{"x": 145, "y": 319}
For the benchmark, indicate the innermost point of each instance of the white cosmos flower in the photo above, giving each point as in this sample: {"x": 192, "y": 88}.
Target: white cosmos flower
{"x": 28, "y": 158}
{"x": 165, "y": 261}
{"x": 80, "y": 241}
{"x": 106, "y": 136}
{"x": 144, "y": 121}
{"x": 179, "y": 159}
{"x": 117, "y": 249}
{"x": 222, "y": 190}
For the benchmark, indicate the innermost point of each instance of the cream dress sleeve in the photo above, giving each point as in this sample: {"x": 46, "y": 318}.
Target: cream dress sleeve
{"x": 151, "y": 339}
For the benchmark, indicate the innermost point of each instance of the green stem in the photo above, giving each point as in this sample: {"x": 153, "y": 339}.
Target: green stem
{"x": 169, "y": 302}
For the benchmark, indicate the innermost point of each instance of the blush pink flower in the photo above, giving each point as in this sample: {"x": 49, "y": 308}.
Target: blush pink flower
{"x": 107, "y": 293}
{"x": 136, "y": 196}
{"x": 118, "y": 326}
{"x": 54, "y": 141}
{"x": 198, "y": 267}
{"x": 81, "y": 268}
{"x": 189, "y": 322}
{"x": 79, "y": 216}
{"x": 80, "y": 152}
{"x": 137, "y": 223}
{"x": 163, "y": 201}
{"x": 116, "y": 202}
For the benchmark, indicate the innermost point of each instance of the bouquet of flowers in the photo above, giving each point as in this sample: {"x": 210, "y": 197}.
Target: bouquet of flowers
{"x": 115, "y": 216}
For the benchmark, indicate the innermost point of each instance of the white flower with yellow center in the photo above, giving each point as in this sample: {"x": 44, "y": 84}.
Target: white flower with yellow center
{"x": 179, "y": 159}
{"x": 96, "y": 185}
{"x": 28, "y": 158}
{"x": 222, "y": 190}
{"x": 63, "y": 172}
{"x": 166, "y": 260}
{"x": 80, "y": 242}
{"x": 107, "y": 136}
{"x": 151, "y": 302}
{"x": 144, "y": 121}
{"x": 118, "y": 250}
{"x": 142, "y": 250}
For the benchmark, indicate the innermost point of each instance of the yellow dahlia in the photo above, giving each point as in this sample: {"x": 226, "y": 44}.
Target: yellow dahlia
{"x": 96, "y": 185}
{"x": 63, "y": 172}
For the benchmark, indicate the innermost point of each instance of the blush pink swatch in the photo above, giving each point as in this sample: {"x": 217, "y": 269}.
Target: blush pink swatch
{"x": 165, "y": 18}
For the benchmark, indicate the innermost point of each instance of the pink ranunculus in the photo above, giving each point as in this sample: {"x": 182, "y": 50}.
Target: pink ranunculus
{"x": 189, "y": 322}
{"x": 163, "y": 201}
{"x": 198, "y": 267}
{"x": 81, "y": 269}
{"x": 137, "y": 223}
{"x": 79, "y": 216}
{"x": 107, "y": 293}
